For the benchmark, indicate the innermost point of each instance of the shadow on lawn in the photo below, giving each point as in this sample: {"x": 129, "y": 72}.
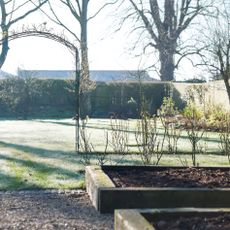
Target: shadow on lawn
{"x": 41, "y": 152}
{"x": 108, "y": 127}
{"x": 57, "y": 123}
{"x": 67, "y": 156}
{"x": 42, "y": 168}
{"x": 9, "y": 182}
{"x": 131, "y": 131}
{"x": 90, "y": 126}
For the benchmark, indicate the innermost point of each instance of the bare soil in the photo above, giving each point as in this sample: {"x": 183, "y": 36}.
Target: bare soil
{"x": 190, "y": 177}
{"x": 198, "y": 222}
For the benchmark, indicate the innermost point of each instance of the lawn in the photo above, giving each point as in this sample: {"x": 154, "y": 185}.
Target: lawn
{"x": 41, "y": 153}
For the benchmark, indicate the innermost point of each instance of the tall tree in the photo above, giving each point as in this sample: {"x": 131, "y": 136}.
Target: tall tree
{"x": 164, "y": 22}
{"x": 217, "y": 41}
{"x": 12, "y": 12}
{"x": 79, "y": 10}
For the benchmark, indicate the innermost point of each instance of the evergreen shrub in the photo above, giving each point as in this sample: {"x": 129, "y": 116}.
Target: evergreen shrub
{"x": 31, "y": 97}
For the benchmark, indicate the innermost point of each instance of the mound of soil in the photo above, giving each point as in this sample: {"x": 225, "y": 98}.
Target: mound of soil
{"x": 198, "y": 222}
{"x": 190, "y": 177}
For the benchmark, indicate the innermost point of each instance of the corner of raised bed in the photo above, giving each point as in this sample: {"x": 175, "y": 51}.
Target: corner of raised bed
{"x": 130, "y": 219}
{"x": 95, "y": 180}
{"x": 172, "y": 218}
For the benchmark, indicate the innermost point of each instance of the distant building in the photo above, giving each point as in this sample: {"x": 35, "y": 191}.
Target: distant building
{"x": 95, "y": 75}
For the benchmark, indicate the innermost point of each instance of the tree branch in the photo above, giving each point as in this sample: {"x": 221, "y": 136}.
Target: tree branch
{"x": 27, "y": 13}
{"x": 145, "y": 20}
{"x": 99, "y": 10}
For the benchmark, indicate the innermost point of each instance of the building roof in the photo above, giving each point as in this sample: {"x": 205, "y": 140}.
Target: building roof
{"x": 95, "y": 75}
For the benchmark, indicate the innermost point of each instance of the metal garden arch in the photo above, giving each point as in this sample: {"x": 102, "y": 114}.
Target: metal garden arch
{"x": 43, "y": 32}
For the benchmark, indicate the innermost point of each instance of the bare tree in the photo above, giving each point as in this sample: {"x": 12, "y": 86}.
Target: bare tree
{"x": 161, "y": 25}
{"x": 12, "y": 12}
{"x": 78, "y": 9}
{"x": 217, "y": 55}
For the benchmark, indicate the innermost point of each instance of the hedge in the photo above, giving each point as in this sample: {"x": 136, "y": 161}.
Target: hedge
{"x": 36, "y": 98}
{"x": 30, "y": 97}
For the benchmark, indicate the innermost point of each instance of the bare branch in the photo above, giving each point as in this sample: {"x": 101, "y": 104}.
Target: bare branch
{"x": 145, "y": 20}
{"x": 102, "y": 8}
{"x": 73, "y": 10}
{"x": 59, "y": 22}
{"x": 195, "y": 51}
{"x": 7, "y": 20}
{"x": 17, "y": 8}
{"x": 27, "y": 13}
{"x": 165, "y": 21}
{"x": 7, "y": 2}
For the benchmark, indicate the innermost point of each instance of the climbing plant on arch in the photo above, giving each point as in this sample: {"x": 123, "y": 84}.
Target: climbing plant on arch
{"x": 44, "y": 32}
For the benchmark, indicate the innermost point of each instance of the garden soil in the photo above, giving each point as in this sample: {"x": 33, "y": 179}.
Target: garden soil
{"x": 189, "y": 177}
{"x": 186, "y": 178}
{"x": 201, "y": 222}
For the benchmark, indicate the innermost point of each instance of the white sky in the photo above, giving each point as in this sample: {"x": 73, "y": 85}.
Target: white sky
{"x": 107, "y": 50}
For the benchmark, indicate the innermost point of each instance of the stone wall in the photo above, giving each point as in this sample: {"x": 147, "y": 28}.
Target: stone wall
{"x": 216, "y": 92}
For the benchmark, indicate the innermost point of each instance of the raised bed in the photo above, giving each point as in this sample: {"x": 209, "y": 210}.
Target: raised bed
{"x": 106, "y": 197}
{"x": 177, "y": 218}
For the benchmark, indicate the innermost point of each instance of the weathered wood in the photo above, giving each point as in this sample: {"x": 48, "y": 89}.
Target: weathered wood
{"x": 130, "y": 219}
{"x": 106, "y": 197}
{"x": 139, "y": 219}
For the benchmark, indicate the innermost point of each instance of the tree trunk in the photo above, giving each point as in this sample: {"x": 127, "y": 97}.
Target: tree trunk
{"x": 227, "y": 85}
{"x": 84, "y": 52}
{"x": 4, "y": 51}
{"x": 167, "y": 65}
{"x": 85, "y": 80}
{"x": 4, "y": 36}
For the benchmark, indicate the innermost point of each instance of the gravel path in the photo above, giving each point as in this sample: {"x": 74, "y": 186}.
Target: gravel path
{"x": 50, "y": 209}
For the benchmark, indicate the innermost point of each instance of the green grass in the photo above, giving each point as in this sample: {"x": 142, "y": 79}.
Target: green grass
{"x": 41, "y": 154}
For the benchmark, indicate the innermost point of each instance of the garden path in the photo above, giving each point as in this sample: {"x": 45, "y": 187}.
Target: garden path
{"x": 50, "y": 209}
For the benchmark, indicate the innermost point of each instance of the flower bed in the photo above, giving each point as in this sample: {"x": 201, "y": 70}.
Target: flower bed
{"x": 177, "y": 218}
{"x": 106, "y": 196}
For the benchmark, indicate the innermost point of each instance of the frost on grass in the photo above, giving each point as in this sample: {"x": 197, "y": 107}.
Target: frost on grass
{"x": 41, "y": 153}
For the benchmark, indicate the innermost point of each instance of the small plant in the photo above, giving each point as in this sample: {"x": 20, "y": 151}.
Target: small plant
{"x": 147, "y": 138}
{"x": 172, "y": 135}
{"x": 196, "y": 92}
{"x": 119, "y": 141}
{"x": 224, "y": 135}
{"x": 195, "y": 128}
{"x": 214, "y": 115}
{"x": 86, "y": 147}
{"x": 183, "y": 161}
{"x": 169, "y": 118}
{"x": 167, "y": 108}
{"x": 102, "y": 158}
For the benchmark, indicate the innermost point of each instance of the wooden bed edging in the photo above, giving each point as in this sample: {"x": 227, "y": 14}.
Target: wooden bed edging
{"x": 106, "y": 197}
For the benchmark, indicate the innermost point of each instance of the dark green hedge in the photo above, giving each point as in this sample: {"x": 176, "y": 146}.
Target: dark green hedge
{"x": 36, "y": 98}
{"x": 123, "y": 99}
{"x": 56, "y": 98}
